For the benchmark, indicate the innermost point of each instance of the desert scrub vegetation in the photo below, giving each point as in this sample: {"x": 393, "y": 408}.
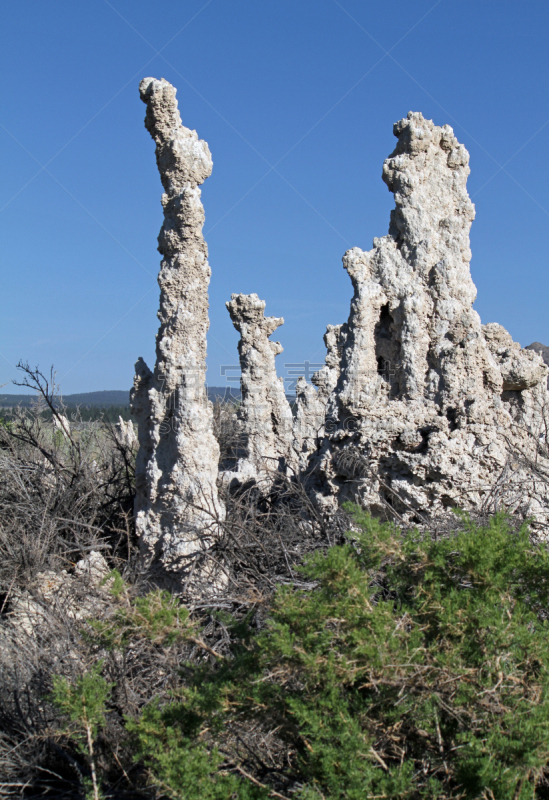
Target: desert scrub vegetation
{"x": 66, "y": 497}
{"x": 345, "y": 658}
{"x": 399, "y": 665}
{"x": 411, "y": 667}
{"x": 66, "y": 488}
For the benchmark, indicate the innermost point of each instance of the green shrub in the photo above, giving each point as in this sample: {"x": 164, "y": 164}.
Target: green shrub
{"x": 83, "y": 704}
{"x": 157, "y": 616}
{"x": 415, "y": 669}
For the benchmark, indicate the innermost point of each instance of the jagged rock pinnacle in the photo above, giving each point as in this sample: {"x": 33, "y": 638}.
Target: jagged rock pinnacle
{"x": 177, "y": 505}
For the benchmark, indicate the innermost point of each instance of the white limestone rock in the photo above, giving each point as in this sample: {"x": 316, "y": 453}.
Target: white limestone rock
{"x": 93, "y": 568}
{"x": 61, "y": 423}
{"x": 309, "y": 423}
{"x": 125, "y": 433}
{"x": 177, "y": 505}
{"x": 308, "y": 426}
{"x": 520, "y": 368}
{"x": 542, "y": 349}
{"x": 264, "y": 415}
{"x": 74, "y": 597}
{"x": 429, "y": 405}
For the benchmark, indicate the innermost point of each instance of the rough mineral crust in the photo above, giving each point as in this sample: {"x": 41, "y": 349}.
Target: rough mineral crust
{"x": 125, "y": 433}
{"x": 264, "y": 415}
{"x": 430, "y": 409}
{"x": 177, "y": 506}
{"x": 542, "y": 349}
{"x": 309, "y": 424}
{"x": 74, "y": 597}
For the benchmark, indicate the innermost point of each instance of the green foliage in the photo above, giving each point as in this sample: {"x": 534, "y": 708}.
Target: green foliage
{"x": 415, "y": 669}
{"x": 84, "y": 702}
{"x": 84, "y": 705}
{"x": 183, "y": 766}
{"x": 118, "y": 586}
{"x": 157, "y": 616}
{"x": 168, "y": 741}
{"x": 58, "y": 438}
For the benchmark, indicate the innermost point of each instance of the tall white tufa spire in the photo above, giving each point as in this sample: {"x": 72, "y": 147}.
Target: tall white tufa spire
{"x": 177, "y": 505}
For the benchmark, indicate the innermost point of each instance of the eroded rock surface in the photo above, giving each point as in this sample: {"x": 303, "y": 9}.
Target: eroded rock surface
{"x": 74, "y": 597}
{"x": 264, "y": 415}
{"x": 543, "y": 350}
{"x": 428, "y": 405}
{"x": 125, "y": 433}
{"x": 309, "y": 424}
{"x": 418, "y": 407}
{"x": 177, "y": 506}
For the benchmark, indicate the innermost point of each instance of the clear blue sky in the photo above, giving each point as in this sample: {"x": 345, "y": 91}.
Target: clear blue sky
{"x": 297, "y": 100}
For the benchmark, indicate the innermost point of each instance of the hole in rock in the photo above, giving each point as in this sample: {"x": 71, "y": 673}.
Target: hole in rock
{"x": 451, "y": 416}
{"x": 425, "y": 433}
{"x": 387, "y": 349}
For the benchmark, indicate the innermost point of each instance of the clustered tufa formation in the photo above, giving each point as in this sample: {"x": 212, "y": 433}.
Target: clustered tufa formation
{"x": 419, "y": 407}
{"x": 429, "y": 403}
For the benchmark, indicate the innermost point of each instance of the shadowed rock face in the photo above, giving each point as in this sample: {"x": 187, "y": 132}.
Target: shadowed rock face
{"x": 177, "y": 464}
{"x": 426, "y": 400}
{"x": 265, "y": 417}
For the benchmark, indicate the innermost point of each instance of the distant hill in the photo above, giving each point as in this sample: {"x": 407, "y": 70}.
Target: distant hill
{"x": 99, "y": 399}
{"x": 217, "y": 393}
{"x": 9, "y": 400}
{"x": 116, "y": 398}
{"x": 107, "y": 399}
{"x": 95, "y": 399}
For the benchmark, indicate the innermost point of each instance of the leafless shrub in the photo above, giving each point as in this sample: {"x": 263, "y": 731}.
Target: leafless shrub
{"x": 27, "y": 660}
{"x": 63, "y": 490}
{"x": 258, "y": 547}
